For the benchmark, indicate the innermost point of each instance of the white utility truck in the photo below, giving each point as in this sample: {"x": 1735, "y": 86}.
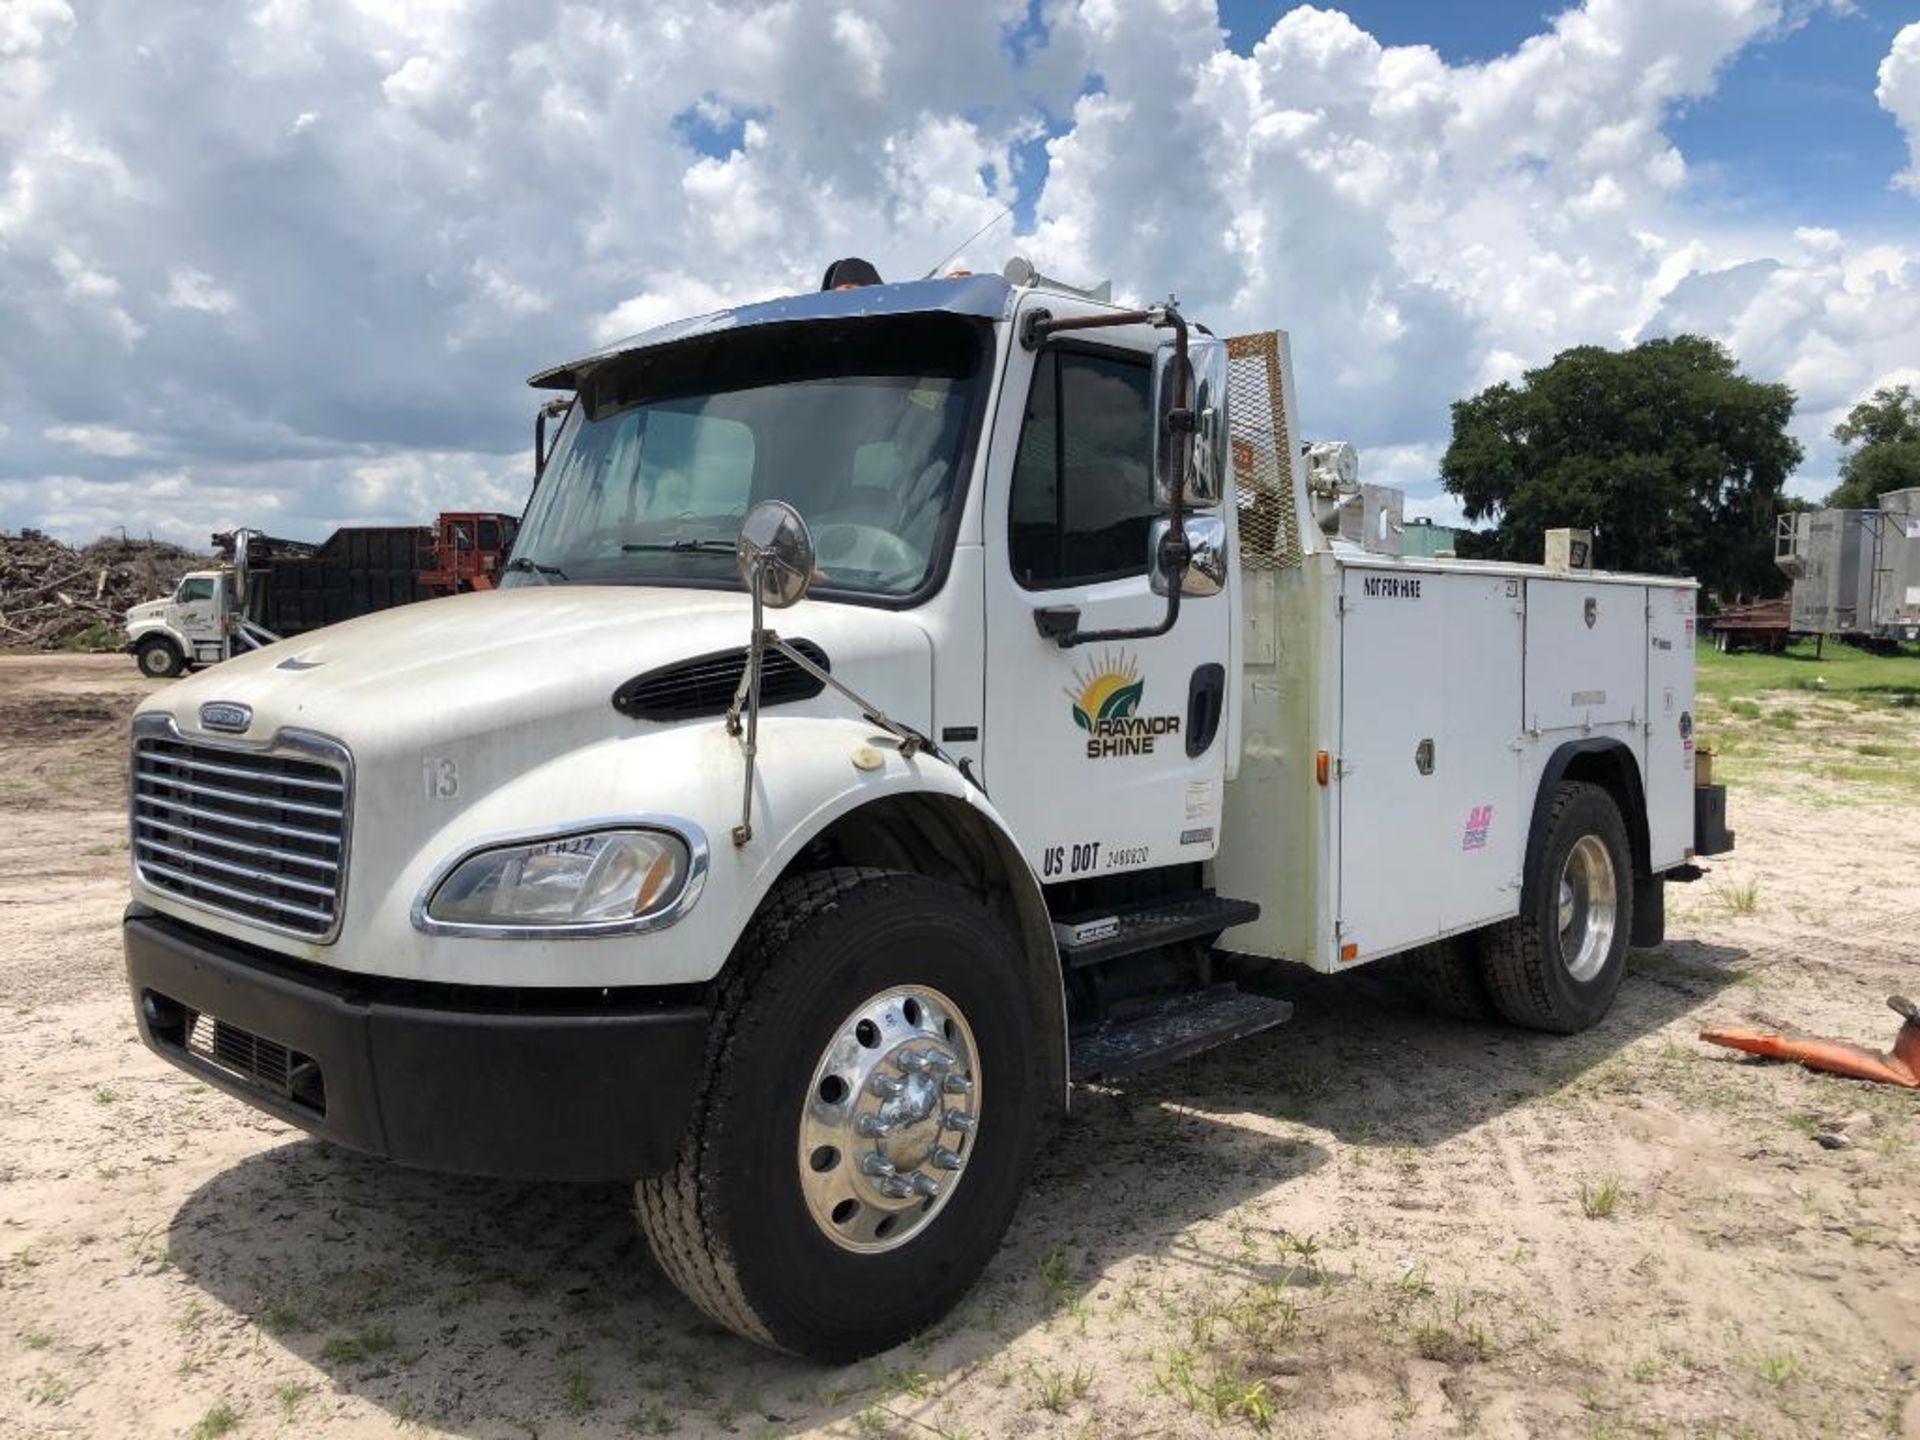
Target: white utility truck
{"x": 1075, "y": 723}
{"x": 200, "y": 623}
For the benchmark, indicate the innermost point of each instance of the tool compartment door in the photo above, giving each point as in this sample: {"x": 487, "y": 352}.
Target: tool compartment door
{"x": 1431, "y": 824}
{"x": 1669, "y": 768}
{"x": 1584, "y": 644}
{"x": 1392, "y": 677}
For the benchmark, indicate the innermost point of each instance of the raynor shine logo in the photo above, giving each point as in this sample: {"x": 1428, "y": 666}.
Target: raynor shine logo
{"x": 1106, "y": 704}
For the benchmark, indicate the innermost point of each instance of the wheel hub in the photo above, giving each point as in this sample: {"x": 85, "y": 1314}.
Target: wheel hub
{"x": 1589, "y": 907}
{"x": 888, "y": 1124}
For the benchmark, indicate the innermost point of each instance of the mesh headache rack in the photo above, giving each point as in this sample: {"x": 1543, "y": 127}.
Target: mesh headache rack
{"x": 258, "y": 833}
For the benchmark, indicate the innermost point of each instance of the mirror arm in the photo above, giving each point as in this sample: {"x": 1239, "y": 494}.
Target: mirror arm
{"x": 1175, "y": 551}
{"x": 748, "y": 694}
{"x": 545, "y": 413}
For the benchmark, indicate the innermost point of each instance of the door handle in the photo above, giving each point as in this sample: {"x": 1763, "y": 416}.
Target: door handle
{"x": 1056, "y": 622}
{"x": 1206, "y": 700}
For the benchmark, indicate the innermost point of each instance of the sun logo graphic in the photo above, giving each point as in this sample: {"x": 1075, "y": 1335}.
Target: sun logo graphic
{"x": 1106, "y": 704}
{"x": 1109, "y": 690}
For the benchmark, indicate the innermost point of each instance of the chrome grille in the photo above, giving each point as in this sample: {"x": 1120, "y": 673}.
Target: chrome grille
{"x": 257, "y": 834}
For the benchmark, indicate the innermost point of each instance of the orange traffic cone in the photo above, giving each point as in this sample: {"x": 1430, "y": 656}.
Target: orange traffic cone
{"x": 1901, "y": 1067}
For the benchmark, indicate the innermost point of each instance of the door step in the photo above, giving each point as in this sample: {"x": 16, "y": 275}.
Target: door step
{"x": 1098, "y": 936}
{"x": 1182, "y": 1026}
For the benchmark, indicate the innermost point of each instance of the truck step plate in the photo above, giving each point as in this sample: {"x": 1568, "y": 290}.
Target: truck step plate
{"x": 1092, "y": 939}
{"x": 1182, "y": 1027}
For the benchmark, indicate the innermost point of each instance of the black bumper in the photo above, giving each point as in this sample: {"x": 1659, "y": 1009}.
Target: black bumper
{"x": 456, "y": 1078}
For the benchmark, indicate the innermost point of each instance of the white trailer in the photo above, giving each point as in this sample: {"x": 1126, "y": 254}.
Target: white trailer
{"x": 1074, "y": 725}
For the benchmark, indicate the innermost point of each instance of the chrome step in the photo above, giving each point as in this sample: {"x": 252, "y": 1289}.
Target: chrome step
{"x": 1110, "y": 934}
{"x": 1182, "y": 1026}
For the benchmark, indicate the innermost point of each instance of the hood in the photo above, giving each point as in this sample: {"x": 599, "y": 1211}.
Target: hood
{"x": 147, "y": 610}
{"x": 545, "y": 657}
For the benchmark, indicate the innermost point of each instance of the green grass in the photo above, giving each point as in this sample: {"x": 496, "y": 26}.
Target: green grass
{"x": 363, "y": 1344}
{"x": 576, "y": 1391}
{"x": 1597, "y": 1202}
{"x": 222, "y": 1419}
{"x": 1841, "y": 670}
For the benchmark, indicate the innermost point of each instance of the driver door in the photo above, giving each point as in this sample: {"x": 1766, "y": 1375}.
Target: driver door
{"x": 1106, "y": 756}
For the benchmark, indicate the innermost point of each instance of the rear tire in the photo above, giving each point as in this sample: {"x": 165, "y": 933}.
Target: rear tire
{"x": 159, "y": 659}
{"x": 1558, "y": 965}
{"x": 770, "y": 1220}
{"x": 1449, "y": 976}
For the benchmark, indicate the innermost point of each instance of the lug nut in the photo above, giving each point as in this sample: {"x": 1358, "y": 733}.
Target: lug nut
{"x": 875, "y": 1164}
{"x": 913, "y": 1062}
{"x": 872, "y": 1127}
{"x": 958, "y": 1120}
{"x": 893, "y": 1187}
{"x": 887, "y": 1087}
{"x": 924, "y": 1185}
{"x": 957, "y": 1085}
{"x": 945, "y": 1159}
{"x": 939, "y": 1062}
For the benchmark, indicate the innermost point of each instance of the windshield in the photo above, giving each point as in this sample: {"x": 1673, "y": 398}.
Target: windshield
{"x": 863, "y": 426}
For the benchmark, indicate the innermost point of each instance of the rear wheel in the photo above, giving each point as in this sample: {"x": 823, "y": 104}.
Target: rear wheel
{"x": 1448, "y": 975}
{"x": 159, "y": 658}
{"x": 1558, "y": 965}
{"x": 871, "y": 1110}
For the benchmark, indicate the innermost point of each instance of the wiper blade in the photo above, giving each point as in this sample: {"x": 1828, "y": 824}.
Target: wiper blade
{"x": 523, "y": 565}
{"x": 684, "y": 545}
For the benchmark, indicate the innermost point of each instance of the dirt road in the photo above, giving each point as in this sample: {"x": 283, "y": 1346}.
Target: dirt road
{"x": 1369, "y": 1222}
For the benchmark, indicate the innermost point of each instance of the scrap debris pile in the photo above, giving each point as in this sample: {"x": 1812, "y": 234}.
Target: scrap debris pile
{"x": 54, "y": 597}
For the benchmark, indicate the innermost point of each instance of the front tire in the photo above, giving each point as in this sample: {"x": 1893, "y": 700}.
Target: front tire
{"x": 826, "y": 1200}
{"x": 1558, "y": 965}
{"x": 159, "y": 659}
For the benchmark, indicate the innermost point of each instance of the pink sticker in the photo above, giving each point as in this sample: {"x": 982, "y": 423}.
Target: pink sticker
{"x": 1479, "y": 822}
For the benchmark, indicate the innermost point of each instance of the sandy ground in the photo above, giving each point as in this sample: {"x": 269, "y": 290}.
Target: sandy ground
{"x": 1369, "y": 1222}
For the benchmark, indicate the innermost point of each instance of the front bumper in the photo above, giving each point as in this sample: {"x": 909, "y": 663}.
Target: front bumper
{"x": 469, "y": 1079}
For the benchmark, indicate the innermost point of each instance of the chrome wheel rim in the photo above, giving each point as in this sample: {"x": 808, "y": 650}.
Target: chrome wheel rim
{"x": 890, "y": 1119}
{"x": 1589, "y": 908}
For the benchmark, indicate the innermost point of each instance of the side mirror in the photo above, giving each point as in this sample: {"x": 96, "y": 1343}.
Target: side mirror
{"x": 775, "y": 554}
{"x": 1200, "y": 454}
{"x": 1206, "y": 570}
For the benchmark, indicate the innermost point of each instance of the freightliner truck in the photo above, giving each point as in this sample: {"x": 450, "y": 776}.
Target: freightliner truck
{"x": 903, "y": 701}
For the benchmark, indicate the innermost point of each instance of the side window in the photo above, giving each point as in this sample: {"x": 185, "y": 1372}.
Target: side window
{"x": 198, "y": 588}
{"x": 1082, "y": 498}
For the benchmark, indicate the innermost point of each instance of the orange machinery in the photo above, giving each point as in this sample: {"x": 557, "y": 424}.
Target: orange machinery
{"x": 465, "y": 551}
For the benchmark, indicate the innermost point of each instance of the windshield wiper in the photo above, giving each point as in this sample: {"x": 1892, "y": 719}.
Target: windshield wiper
{"x": 521, "y": 564}
{"x": 686, "y": 545}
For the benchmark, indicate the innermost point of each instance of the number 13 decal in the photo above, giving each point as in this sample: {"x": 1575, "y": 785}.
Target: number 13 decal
{"x": 442, "y": 778}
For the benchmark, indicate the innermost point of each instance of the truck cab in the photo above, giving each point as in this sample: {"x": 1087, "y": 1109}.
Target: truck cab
{"x": 186, "y": 628}
{"x": 901, "y": 701}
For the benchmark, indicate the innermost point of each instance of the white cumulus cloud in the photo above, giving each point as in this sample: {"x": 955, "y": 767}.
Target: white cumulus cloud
{"x": 395, "y": 211}
{"x": 1899, "y": 94}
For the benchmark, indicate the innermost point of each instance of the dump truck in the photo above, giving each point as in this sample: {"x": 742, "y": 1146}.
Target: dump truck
{"x": 268, "y": 589}
{"x": 903, "y": 702}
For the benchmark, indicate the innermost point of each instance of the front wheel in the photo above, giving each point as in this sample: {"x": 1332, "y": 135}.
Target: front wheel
{"x": 160, "y": 659}
{"x": 1558, "y": 965}
{"x": 871, "y": 1109}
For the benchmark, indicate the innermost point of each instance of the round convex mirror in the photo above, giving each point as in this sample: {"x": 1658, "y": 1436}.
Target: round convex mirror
{"x": 776, "y": 546}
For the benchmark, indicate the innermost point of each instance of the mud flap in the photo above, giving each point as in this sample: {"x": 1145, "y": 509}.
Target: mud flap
{"x": 1649, "y": 911}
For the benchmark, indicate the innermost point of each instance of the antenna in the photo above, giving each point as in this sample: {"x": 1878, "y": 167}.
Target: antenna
{"x": 940, "y": 264}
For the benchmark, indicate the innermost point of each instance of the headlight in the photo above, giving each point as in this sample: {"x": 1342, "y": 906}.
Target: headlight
{"x": 591, "y": 882}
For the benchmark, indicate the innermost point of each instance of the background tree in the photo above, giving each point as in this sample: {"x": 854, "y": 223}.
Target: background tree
{"x": 1673, "y": 458}
{"x": 1885, "y": 433}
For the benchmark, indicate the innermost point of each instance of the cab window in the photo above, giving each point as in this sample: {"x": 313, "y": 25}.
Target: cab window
{"x": 195, "y": 587}
{"x": 1082, "y": 496}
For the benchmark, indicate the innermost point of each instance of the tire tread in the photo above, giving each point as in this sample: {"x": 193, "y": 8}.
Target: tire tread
{"x": 675, "y": 1207}
{"x": 1517, "y": 953}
